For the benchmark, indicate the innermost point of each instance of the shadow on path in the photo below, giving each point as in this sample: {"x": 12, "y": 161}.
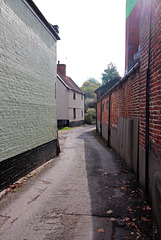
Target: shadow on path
{"x": 116, "y": 202}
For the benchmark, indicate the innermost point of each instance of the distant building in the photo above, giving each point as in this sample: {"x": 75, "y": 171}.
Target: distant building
{"x": 70, "y": 100}
{"x": 28, "y": 129}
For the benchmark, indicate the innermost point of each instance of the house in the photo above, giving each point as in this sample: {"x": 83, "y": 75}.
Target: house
{"x": 131, "y": 123}
{"x": 70, "y": 100}
{"x": 27, "y": 82}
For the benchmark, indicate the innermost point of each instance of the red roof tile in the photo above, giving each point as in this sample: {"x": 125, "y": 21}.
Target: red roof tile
{"x": 69, "y": 83}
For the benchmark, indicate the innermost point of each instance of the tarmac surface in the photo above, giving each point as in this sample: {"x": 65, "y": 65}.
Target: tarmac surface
{"x": 86, "y": 193}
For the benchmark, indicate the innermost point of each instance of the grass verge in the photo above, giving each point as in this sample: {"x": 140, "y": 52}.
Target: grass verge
{"x": 64, "y": 128}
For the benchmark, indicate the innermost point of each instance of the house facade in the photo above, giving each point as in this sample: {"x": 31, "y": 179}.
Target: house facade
{"x": 70, "y": 100}
{"x": 132, "y": 117}
{"x": 27, "y": 81}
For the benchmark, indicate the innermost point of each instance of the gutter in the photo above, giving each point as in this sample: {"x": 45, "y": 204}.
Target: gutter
{"x": 34, "y": 9}
{"x": 63, "y": 82}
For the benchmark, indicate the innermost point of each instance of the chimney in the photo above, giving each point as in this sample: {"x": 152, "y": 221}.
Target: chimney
{"x": 61, "y": 68}
{"x": 133, "y": 10}
{"x": 56, "y": 28}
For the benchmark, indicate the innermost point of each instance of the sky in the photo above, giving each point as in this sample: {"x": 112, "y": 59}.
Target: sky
{"x": 92, "y": 35}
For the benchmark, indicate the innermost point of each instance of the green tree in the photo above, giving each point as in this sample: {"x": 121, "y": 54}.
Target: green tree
{"x": 89, "y": 103}
{"x": 109, "y": 73}
{"x": 89, "y": 87}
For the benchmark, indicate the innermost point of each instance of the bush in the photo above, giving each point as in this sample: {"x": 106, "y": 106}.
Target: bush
{"x": 92, "y": 112}
{"x": 87, "y": 118}
{"x": 89, "y": 103}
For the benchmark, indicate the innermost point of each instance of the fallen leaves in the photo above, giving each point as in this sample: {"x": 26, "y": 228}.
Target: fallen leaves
{"x": 129, "y": 209}
{"x": 145, "y": 219}
{"x": 100, "y": 230}
{"x": 146, "y": 208}
{"x": 109, "y": 211}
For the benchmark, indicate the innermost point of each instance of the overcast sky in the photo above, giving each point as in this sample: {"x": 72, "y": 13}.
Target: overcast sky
{"x": 92, "y": 35}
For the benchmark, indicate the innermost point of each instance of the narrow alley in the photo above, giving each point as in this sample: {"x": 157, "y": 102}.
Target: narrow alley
{"x": 86, "y": 193}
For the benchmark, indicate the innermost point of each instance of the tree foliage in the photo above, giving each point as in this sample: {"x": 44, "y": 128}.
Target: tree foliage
{"x": 89, "y": 103}
{"x": 109, "y": 73}
{"x": 89, "y": 87}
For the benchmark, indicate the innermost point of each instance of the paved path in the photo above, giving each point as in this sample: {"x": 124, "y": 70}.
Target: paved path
{"x": 80, "y": 195}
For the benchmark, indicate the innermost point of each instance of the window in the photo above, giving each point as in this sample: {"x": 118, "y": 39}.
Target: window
{"x": 74, "y": 95}
{"x": 82, "y": 113}
{"x": 81, "y": 97}
{"x": 107, "y": 103}
{"x": 74, "y": 113}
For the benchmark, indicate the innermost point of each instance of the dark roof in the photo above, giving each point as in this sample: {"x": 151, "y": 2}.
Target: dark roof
{"x": 104, "y": 88}
{"x": 69, "y": 83}
{"x": 41, "y": 18}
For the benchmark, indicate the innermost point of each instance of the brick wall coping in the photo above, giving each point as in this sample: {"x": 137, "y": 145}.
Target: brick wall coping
{"x": 128, "y": 74}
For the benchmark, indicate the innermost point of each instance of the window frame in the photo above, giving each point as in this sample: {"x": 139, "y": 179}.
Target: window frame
{"x": 74, "y": 113}
{"x": 74, "y": 95}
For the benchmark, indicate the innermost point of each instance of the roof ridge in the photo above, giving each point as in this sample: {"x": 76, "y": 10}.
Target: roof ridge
{"x": 70, "y": 83}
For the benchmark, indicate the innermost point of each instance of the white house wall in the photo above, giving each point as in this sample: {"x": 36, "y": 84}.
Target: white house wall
{"x": 62, "y": 101}
{"x": 78, "y": 104}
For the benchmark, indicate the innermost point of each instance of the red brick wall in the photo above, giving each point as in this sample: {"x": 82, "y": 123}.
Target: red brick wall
{"x": 132, "y": 97}
{"x": 98, "y": 110}
{"x": 155, "y": 81}
{"x": 124, "y": 102}
{"x": 155, "y": 74}
{"x": 106, "y": 111}
{"x": 132, "y": 34}
{"x": 128, "y": 100}
{"x": 121, "y": 101}
{"x": 114, "y": 108}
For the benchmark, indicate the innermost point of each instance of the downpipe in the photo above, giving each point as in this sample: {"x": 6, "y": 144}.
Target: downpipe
{"x": 109, "y": 120}
{"x": 147, "y": 110}
{"x": 101, "y": 119}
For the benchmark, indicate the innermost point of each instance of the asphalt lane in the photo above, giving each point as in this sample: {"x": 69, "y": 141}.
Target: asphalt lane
{"x": 78, "y": 196}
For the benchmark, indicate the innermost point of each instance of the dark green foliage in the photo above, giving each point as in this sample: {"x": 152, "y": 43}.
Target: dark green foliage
{"x": 109, "y": 73}
{"x": 87, "y": 118}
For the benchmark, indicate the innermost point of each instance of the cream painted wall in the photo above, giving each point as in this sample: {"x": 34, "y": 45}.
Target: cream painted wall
{"x": 62, "y": 101}
{"x": 78, "y": 104}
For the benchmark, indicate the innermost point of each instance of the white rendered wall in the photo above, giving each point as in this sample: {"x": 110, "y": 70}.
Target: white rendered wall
{"x": 62, "y": 101}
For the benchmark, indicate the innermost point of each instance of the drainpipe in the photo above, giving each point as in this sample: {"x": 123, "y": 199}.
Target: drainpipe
{"x": 96, "y": 118}
{"x": 138, "y": 150}
{"x": 147, "y": 110}
{"x": 109, "y": 118}
{"x": 101, "y": 119}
